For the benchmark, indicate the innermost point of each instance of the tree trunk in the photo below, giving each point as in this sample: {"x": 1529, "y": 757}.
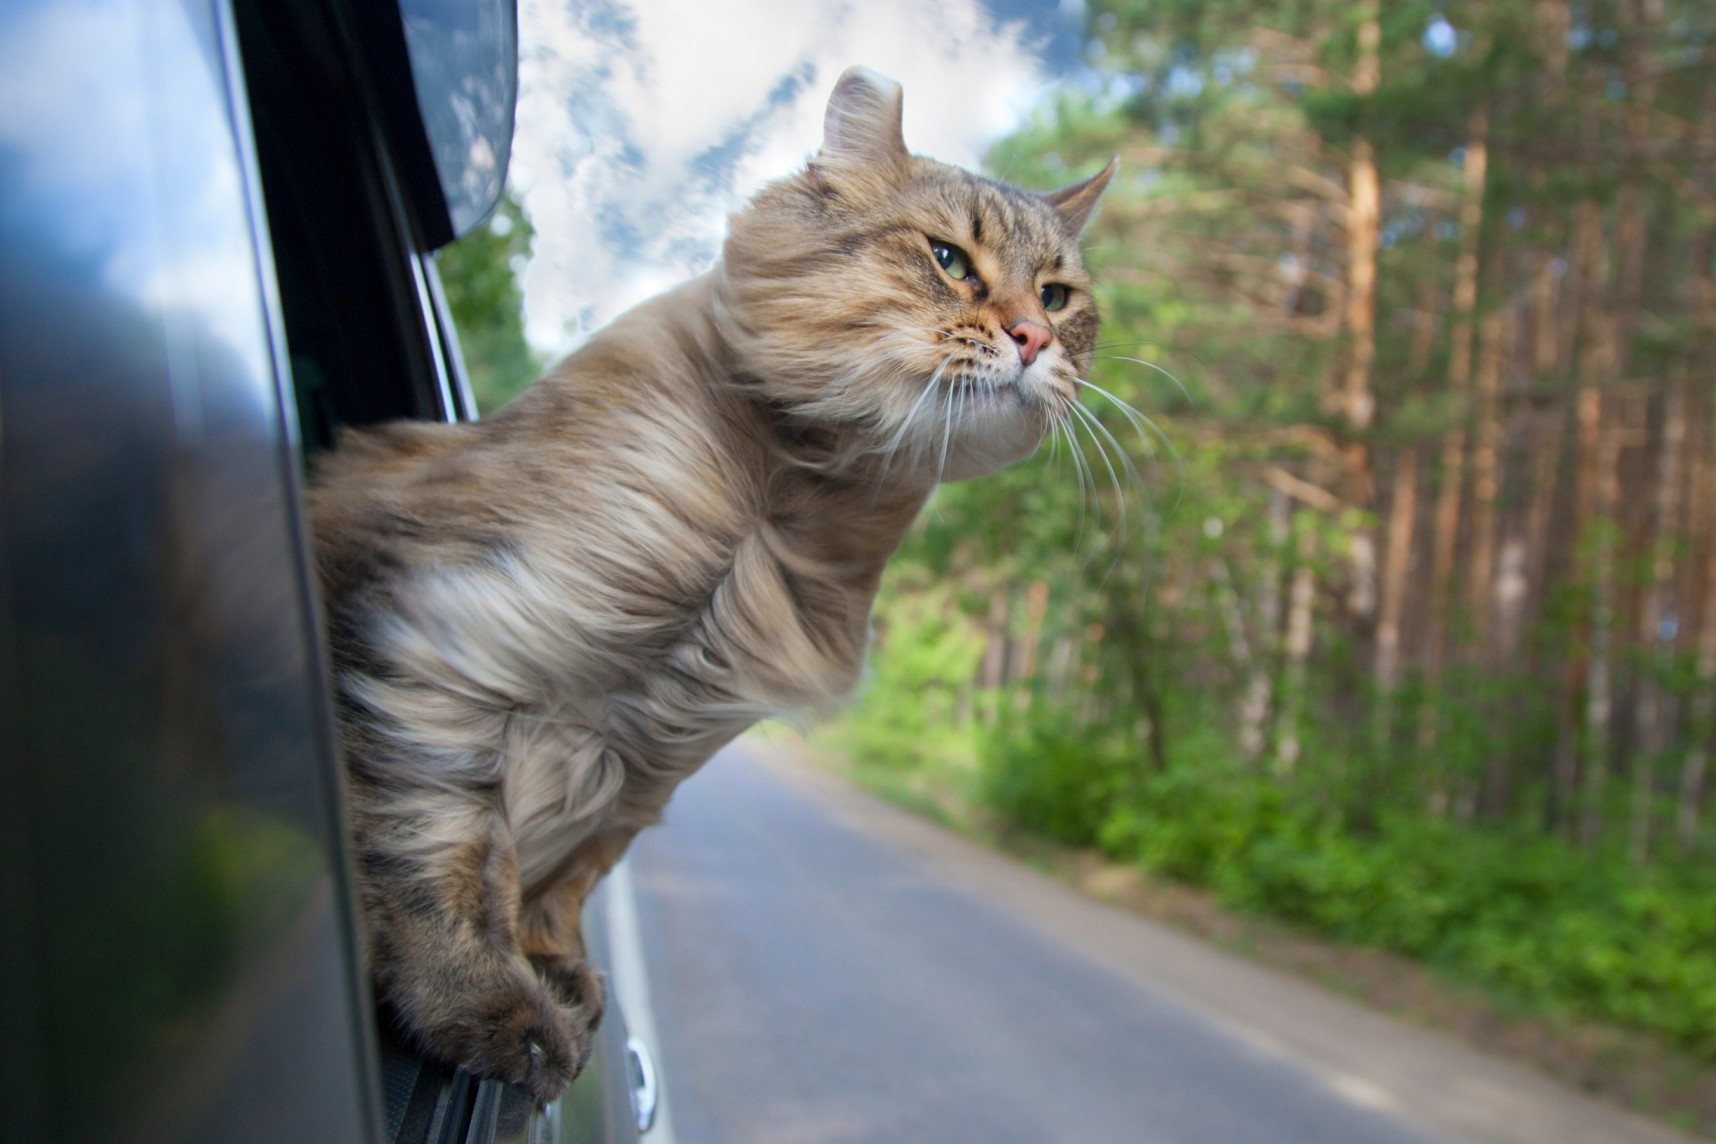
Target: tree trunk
{"x": 1358, "y": 400}
{"x": 1701, "y": 717}
{"x": 1599, "y": 679}
{"x": 1554, "y": 21}
{"x": 1701, "y": 720}
{"x": 1448, "y": 497}
{"x": 1131, "y": 624}
{"x": 995, "y": 633}
{"x": 1649, "y": 719}
{"x": 1030, "y": 642}
{"x": 1587, "y": 329}
{"x": 1631, "y": 244}
{"x": 1605, "y": 355}
{"x": 1524, "y": 557}
{"x": 1402, "y": 529}
{"x": 1397, "y": 562}
{"x": 1248, "y": 662}
{"x": 1545, "y": 303}
{"x": 1493, "y": 343}
{"x": 1639, "y": 67}
{"x": 1260, "y": 687}
{"x": 1300, "y": 598}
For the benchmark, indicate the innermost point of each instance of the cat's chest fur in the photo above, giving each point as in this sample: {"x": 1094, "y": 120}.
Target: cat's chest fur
{"x": 578, "y": 617}
{"x": 604, "y": 724}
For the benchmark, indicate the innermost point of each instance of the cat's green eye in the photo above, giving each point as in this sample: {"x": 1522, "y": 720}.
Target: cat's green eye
{"x": 951, "y": 259}
{"x": 1054, "y": 297}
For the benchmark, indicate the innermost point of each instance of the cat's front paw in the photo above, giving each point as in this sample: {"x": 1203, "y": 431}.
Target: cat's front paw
{"x": 521, "y": 1036}
{"x": 575, "y": 984}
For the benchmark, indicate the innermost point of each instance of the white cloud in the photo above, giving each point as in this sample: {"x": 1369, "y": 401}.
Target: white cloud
{"x": 641, "y": 125}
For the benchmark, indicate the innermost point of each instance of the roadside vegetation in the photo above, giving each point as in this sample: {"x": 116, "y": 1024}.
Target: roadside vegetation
{"x": 1398, "y": 620}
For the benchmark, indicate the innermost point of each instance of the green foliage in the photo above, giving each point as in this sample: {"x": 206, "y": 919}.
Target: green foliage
{"x": 1052, "y": 781}
{"x": 1533, "y": 918}
{"x": 480, "y": 273}
{"x": 908, "y": 709}
{"x": 1346, "y": 848}
{"x": 1165, "y": 718}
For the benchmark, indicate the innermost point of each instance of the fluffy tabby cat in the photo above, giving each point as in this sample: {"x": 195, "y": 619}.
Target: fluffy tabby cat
{"x": 543, "y": 622}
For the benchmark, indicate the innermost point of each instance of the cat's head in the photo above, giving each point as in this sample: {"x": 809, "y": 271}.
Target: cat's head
{"x": 936, "y": 316}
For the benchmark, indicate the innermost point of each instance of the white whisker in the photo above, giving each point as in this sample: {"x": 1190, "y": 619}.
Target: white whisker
{"x": 1092, "y": 425}
{"x": 1139, "y": 421}
{"x": 1081, "y": 469}
{"x": 1132, "y": 417}
{"x": 1095, "y": 425}
{"x": 1083, "y": 416}
{"x": 894, "y": 445}
{"x": 1178, "y": 384}
{"x": 946, "y": 436}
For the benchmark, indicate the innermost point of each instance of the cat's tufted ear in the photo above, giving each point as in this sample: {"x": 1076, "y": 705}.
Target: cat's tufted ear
{"x": 1075, "y": 203}
{"x": 862, "y": 126}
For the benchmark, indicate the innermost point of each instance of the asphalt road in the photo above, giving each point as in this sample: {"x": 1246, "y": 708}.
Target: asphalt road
{"x": 825, "y": 969}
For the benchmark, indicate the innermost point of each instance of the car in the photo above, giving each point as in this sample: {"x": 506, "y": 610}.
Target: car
{"x": 218, "y": 221}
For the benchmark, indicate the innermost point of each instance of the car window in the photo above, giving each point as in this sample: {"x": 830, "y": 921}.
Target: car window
{"x": 352, "y": 289}
{"x": 464, "y": 67}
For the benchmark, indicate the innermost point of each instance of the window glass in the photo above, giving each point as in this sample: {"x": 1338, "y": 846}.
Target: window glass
{"x": 464, "y": 64}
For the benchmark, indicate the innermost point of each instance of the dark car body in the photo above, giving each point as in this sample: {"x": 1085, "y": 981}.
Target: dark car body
{"x": 216, "y": 226}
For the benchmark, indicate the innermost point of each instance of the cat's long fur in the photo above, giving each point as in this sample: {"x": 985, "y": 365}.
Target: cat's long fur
{"x": 543, "y": 622}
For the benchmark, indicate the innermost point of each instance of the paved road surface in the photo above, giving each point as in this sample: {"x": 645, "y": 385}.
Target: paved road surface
{"x": 826, "y": 969}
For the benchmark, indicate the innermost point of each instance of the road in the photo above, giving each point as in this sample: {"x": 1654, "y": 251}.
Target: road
{"x": 824, "y": 969}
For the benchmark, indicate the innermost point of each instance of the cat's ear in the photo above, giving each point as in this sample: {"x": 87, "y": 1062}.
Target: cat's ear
{"x": 1075, "y": 203}
{"x": 862, "y": 126}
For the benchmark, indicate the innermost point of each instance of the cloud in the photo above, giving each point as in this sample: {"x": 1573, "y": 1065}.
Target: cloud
{"x": 642, "y": 125}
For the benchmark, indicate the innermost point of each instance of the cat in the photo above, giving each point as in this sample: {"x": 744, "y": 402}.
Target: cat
{"x": 542, "y": 622}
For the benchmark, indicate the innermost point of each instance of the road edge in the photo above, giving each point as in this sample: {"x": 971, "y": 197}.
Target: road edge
{"x": 1368, "y": 1057}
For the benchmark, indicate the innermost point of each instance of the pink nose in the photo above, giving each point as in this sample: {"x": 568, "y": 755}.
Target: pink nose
{"x": 1031, "y": 338}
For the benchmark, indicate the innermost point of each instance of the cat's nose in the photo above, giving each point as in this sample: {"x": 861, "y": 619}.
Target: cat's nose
{"x": 1031, "y": 338}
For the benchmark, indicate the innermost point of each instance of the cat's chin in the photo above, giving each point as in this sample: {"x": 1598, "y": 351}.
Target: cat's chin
{"x": 983, "y": 463}
{"x": 988, "y": 437}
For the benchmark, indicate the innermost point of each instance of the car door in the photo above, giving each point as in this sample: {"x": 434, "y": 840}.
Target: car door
{"x": 216, "y": 226}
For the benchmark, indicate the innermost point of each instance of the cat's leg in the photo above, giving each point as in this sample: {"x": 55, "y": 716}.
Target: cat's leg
{"x": 440, "y": 890}
{"x": 551, "y": 933}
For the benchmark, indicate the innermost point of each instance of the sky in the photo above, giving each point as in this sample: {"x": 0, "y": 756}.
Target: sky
{"x": 642, "y": 124}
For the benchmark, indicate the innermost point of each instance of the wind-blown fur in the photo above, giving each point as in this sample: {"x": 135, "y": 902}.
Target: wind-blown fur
{"x": 543, "y": 622}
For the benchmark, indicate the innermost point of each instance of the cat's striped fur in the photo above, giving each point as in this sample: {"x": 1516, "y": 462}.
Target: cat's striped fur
{"x": 543, "y": 622}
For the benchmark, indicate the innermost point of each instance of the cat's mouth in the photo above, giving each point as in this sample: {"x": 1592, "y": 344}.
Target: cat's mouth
{"x": 976, "y": 421}
{"x": 993, "y": 373}
{"x": 991, "y": 388}
{"x": 1030, "y": 387}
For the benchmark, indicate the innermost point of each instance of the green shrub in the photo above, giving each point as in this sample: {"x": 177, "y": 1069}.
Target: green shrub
{"x": 1346, "y": 846}
{"x": 1051, "y": 782}
{"x": 1533, "y": 918}
{"x": 908, "y": 711}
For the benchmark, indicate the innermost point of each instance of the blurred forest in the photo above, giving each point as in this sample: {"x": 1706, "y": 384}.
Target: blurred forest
{"x": 1397, "y": 618}
{"x": 1400, "y": 620}
{"x": 480, "y": 275}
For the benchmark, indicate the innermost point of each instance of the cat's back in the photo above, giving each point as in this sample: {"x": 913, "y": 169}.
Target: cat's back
{"x": 385, "y": 499}
{"x": 605, "y": 500}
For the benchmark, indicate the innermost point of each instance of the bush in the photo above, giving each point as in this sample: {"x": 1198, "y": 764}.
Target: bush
{"x": 908, "y": 712}
{"x": 1050, "y": 782}
{"x": 1552, "y": 926}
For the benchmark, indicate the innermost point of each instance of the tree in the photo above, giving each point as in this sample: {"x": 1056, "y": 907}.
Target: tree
{"x": 480, "y": 273}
